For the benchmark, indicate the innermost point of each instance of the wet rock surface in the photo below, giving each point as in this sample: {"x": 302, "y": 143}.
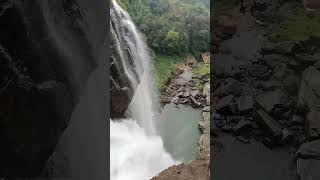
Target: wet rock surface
{"x": 38, "y": 88}
{"x": 308, "y": 160}
{"x": 269, "y": 93}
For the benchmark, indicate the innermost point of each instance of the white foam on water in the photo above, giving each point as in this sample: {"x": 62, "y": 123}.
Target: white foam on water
{"x": 134, "y": 155}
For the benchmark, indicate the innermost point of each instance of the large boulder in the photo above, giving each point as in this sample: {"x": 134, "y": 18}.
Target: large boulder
{"x": 308, "y": 161}
{"x": 273, "y": 99}
{"x": 229, "y": 86}
{"x": 272, "y": 127}
{"x": 273, "y": 60}
{"x": 313, "y": 124}
{"x": 245, "y": 103}
{"x": 309, "y": 94}
{"x": 226, "y": 65}
{"x": 284, "y": 47}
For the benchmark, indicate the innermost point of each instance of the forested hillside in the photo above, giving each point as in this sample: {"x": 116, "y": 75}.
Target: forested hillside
{"x": 172, "y": 27}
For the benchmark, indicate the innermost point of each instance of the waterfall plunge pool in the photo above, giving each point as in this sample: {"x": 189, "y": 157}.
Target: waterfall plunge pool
{"x": 178, "y": 127}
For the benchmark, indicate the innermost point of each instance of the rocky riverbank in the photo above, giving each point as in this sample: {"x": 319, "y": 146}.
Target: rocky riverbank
{"x": 190, "y": 86}
{"x": 266, "y": 87}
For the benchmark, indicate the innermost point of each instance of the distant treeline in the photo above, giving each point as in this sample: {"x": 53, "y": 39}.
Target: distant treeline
{"x": 172, "y": 27}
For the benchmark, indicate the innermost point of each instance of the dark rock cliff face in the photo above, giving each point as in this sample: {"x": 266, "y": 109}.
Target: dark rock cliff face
{"x": 46, "y": 56}
{"x": 121, "y": 90}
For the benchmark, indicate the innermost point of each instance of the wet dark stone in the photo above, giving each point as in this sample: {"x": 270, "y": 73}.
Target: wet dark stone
{"x": 271, "y": 125}
{"x": 227, "y": 65}
{"x": 273, "y": 60}
{"x": 297, "y": 119}
{"x": 242, "y": 124}
{"x": 223, "y": 105}
{"x": 309, "y": 91}
{"x": 306, "y": 59}
{"x": 245, "y": 103}
{"x": 243, "y": 139}
{"x": 270, "y": 99}
{"x": 258, "y": 70}
{"x": 229, "y": 86}
{"x": 313, "y": 125}
{"x": 284, "y": 47}
{"x": 308, "y": 161}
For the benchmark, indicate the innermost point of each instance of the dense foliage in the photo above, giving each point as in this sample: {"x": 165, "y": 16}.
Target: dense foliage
{"x": 172, "y": 27}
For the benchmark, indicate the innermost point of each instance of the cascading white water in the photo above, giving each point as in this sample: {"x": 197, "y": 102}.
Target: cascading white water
{"x": 135, "y": 155}
{"x": 128, "y": 38}
{"x": 136, "y": 151}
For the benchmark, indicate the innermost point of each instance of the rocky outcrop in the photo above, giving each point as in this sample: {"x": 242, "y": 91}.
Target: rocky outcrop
{"x": 269, "y": 92}
{"x": 197, "y": 169}
{"x": 45, "y": 59}
{"x": 120, "y": 90}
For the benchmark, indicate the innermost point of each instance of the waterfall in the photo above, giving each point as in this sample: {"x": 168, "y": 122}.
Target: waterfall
{"x": 137, "y": 66}
{"x": 136, "y": 151}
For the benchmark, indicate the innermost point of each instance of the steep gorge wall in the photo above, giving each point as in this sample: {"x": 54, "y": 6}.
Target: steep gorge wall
{"x": 47, "y": 54}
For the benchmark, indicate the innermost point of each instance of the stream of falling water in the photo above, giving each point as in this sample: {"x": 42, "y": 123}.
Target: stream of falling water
{"x": 137, "y": 152}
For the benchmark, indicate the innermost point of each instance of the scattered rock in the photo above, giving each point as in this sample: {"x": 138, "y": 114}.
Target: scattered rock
{"x": 206, "y": 127}
{"x": 258, "y": 70}
{"x": 206, "y": 109}
{"x": 201, "y": 125}
{"x": 224, "y": 103}
{"x": 272, "y": 126}
{"x": 306, "y": 59}
{"x": 194, "y": 101}
{"x": 242, "y": 139}
{"x": 206, "y": 57}
{"x": 191, "y": 61}
{"x": 245, "y": 103}
{"x": 317, "y": 65}
{"x": 206, "y": 90}
{"x": 268, "y": 100}
{"x": 284, "y": 47}
{"x": 313, "y": 125}
{"x": 205, "y": 140}
{"x": 186, "y": 94}
{"x": 281, "y": 72}
{"x": 195, "y": 93}
{"x": 273, "y": 60}
{"x": 226, "y": 128}
{"x": 309, "y": 150}
{"x": 297, "y": 119}
{"x": 206, "y": 116}
{"x": 309, "y": 95}
{"x": 227, "y": 65}
{"x": 287, "y": 135}
{"x": 241, "y": 124}
{"x": 230, "y": 86}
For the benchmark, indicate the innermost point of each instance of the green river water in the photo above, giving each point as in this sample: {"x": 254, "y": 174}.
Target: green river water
{"x": 179, "y": 130}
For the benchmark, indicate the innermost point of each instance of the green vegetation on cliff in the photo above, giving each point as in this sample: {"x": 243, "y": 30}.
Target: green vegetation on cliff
{"x": 172, "y": 27}
{"x": 165, "y": 66}
{"x": 202, "y": 69}
{"x": 298, "y": 26}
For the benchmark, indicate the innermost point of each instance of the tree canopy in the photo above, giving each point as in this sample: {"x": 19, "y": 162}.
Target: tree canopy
{"x": 172, "y": 27}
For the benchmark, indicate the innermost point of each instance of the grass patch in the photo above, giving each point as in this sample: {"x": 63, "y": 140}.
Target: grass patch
{"x": 164, "y": 68}
{"x": 202, "y": 69}
{"x": 198, "y": 151}
{"x": 298, "y": 26}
